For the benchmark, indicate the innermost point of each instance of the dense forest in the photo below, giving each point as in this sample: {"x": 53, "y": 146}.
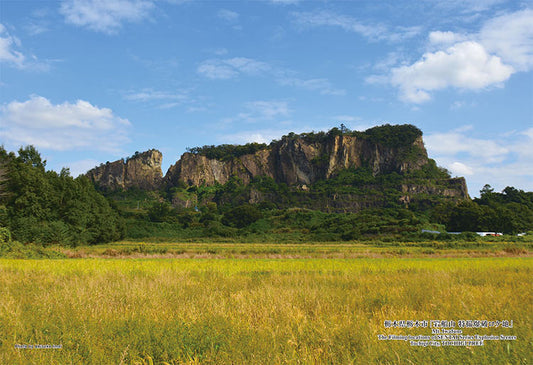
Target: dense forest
{"x": 52, "y": 208}
{"x": 46, "y": 207}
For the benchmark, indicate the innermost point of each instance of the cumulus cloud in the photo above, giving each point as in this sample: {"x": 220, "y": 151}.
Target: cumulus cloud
{"x": 65, "y": 126}
{"x": 511, "y": 37}
{"x": 466, "y": 65}
{"x": 502, "y": 161}
{"x": 106, "y": 16}
{"x": 459, "y": 141}
{"x": 445, "y": 38}
{"x": 231, "y": 67}
{"x": 459, "y": 168}
{"x": 502, "y": 47}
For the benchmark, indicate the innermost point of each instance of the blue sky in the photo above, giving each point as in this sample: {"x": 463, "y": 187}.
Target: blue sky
{"x": 96, "y": 80}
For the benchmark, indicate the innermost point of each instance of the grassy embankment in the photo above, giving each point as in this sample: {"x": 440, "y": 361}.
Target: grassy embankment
{"x": 258, "y": 311}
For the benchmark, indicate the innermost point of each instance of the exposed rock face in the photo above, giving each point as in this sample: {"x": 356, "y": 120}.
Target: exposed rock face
{"x": 296, "y": 162}
{"x": 293, "y": 161}
{"x": 453, "y": 188}
{"x": 199, "y": 170}
{"x": 143, "y": 171}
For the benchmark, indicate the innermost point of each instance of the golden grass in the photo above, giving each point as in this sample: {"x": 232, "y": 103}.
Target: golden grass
{"x": 227, "y": 311}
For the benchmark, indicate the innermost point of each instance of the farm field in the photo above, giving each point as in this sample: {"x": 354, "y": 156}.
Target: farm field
{"x": 259, "y": 311}
{"x": 372, "y": 249}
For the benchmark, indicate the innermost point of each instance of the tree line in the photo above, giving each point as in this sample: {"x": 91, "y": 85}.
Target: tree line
{"x": 43, "y": 206}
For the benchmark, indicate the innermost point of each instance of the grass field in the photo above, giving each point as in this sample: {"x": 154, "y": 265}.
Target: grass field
{"x": 372, "y": 249}
{"x": 259, "y": 311}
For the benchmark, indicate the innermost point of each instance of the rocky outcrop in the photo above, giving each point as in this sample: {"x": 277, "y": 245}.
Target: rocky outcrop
{"x": 451, "y": 188}
{"x": 294, "y": 161}
{"x": 142, "y": 170}
{"x": 298, "y": 161}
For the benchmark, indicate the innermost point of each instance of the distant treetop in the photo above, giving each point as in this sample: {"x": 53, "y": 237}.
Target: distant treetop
{"x": 227, "y": 151}
{"x": 387, "y": 135}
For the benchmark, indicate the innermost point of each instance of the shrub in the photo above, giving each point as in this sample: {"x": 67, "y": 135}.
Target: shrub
{"x": 5, "y": 235}
{"x": 242, "y": 216}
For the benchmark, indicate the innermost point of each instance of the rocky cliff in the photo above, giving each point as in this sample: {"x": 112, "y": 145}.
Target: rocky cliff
{"x": 142, "y": 170}
{"x": 297, "y": 161}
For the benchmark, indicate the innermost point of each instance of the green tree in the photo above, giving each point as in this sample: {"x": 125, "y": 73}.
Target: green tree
{"x": 46, "y": 207}
{"x": 242, "y": 216}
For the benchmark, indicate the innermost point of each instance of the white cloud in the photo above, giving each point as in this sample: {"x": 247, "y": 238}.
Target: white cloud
{"x": 259, "y": 136}
{"x": 228, "y": 15}
{"x": 445, "y": 38}
{"x": 284, "y": 2}
{"x": 465, "y": 6}
{"x": 155, "y": 95}
{"x": 261, "y": 111}
{"x": 459, "y": 141}
{"x": 502, "y": 47}
{"x": 373, "y": 32}
{"x": 231, "y": 67}
{"x": 12, "y": 54}
{"x": 215, "y": 69}
{"x": 323, "y": 86}
{"x": 220, "y": 51}
{"x": 466, "y": 65}
{"x": 163, "y": 99}
{"x": 504, "y": 160}
{"x": 8, "y": 52}
{"x": 62, "y": 126}
{"x": 106, "y": 16}
{"x": 224, "y": 69}
{"x": 269, "y": 109}
{"x": 82, "y": 166}
{"x": 460, "y": 169}
{"x": 249, "y": 137}
{"x": 510, "y": 36}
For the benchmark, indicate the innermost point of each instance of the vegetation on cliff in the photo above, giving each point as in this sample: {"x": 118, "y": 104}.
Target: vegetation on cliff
{"x": 387, "y": 135}
{"x": 226, "y": 152}
{"x": 394, "y": 136}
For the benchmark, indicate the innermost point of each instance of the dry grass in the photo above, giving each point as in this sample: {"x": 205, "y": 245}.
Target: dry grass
{"x": 257, "y": 311}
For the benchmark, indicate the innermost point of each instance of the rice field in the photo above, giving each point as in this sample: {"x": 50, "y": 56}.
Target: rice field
{"x": 372, "y": 249}
{"x": 259, "y": 311}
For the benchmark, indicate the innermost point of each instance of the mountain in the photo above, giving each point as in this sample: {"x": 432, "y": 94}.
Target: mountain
{"x": 340, "y": 170}
{"x": 299, "y": 160}
{"x": 142, "y": 170}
